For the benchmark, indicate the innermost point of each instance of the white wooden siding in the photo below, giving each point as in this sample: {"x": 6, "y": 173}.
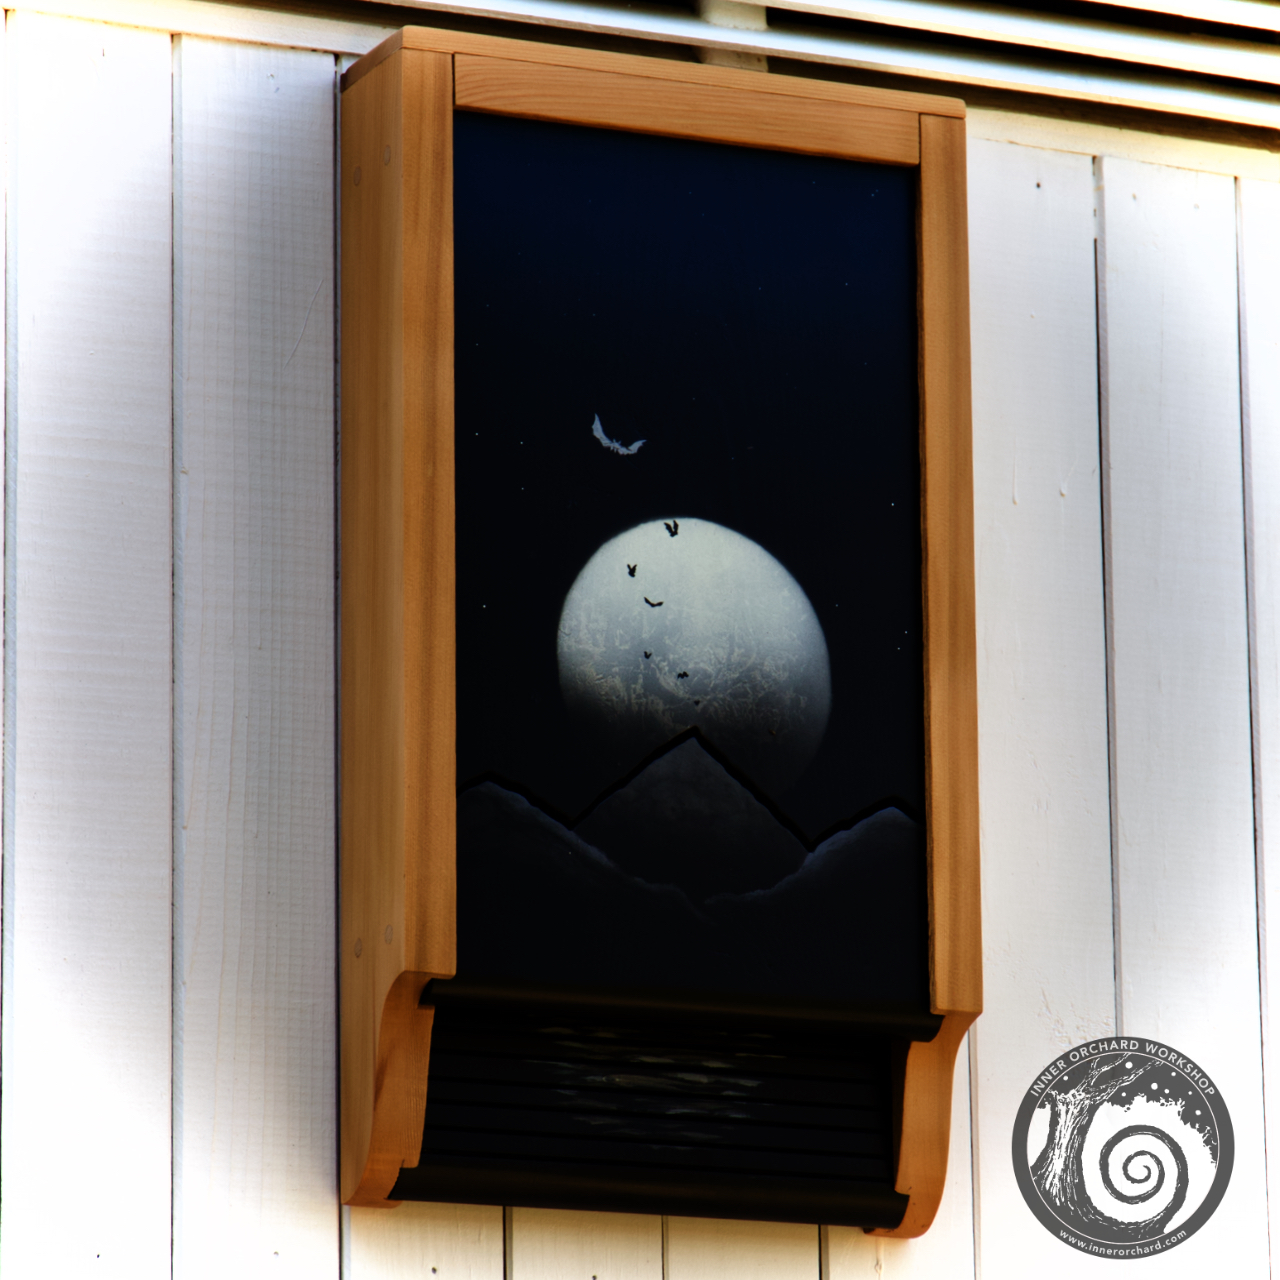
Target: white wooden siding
{"x": 169, "y": 675}
{"x": 1048, "y": 971}
{"x": 1260, "y": 384}
{"x": 254, "y": 918}
{"x": 87, "y": 1038}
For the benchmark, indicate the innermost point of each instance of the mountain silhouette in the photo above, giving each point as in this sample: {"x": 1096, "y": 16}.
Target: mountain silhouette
{"x": 855, "y": 915}
{"x": 538, "y": 903}
{"x": 682, "y": 878}
{"x": 716, "y": 836}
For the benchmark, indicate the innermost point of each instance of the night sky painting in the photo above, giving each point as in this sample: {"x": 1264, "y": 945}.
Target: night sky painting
{"x": 690, "y": 671}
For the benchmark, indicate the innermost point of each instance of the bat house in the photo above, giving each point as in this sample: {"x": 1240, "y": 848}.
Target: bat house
{"x": 659, "y": 729}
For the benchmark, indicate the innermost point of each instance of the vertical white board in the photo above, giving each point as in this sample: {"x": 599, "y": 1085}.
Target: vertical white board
{"x": 1259, "y": 214}
{"x": 86, "y": 1136}
{"x": 425, "y": 1242}
{"x": 716, "y": 1249}
{"x": 255, "y": 1035}
{"x": 551, "y": 1244}
{"x": 1048, "y": 972}
{"x": 1182, "y": 772}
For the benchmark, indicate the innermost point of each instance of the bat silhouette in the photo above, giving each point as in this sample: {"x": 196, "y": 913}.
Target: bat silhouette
{"x": 631, "y": 570}
{"x": 683, "y": 675}
{"x": 653, "y": 604}
{"x": 674, "y": 527}
{"x": 598, "y": 431}
{"x": 648, "y": 653}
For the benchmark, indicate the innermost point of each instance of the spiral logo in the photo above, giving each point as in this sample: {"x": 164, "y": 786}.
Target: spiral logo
{"x": 1123, "y": 1147}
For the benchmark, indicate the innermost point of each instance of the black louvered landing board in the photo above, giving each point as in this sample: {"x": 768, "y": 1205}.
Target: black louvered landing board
{"x": 554, "y": 1108}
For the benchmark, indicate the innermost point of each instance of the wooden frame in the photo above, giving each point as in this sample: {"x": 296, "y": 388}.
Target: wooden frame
{"x": 398, "y": 777}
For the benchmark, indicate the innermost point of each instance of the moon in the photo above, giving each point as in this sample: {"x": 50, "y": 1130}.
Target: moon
{"x": 726, "y": 642}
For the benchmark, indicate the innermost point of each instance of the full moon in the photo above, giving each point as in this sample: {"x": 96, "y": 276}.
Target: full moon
{"x": 684, "y": 623}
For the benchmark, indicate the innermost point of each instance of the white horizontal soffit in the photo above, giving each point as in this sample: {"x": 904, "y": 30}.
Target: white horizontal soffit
{"x": 1012, "y": 49}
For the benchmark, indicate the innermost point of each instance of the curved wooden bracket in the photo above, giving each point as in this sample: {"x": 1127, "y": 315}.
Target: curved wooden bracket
{"x": 926, "y": 1125}
{"x": 400, "y": 1092}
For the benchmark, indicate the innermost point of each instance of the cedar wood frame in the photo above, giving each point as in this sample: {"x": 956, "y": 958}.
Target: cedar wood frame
{"x": 397, "y": 564}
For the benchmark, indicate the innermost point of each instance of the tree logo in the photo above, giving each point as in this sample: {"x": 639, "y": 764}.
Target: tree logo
{"x": 1123, "y": 1148}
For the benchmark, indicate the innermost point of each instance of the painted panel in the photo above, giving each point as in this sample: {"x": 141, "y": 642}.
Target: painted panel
{"x": 255, "y": 1035}
{"x": 89, "y": 590}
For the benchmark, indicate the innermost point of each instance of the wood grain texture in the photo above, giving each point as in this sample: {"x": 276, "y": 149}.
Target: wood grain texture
{"x": 553, "y": 1244}
{"x": 89, "y": 844}
{"x": 447, "y": 1241}
{"x": 397, "y": 602}
{"x": 460, "y": 42}
{"x": 1048, "y": 966}
{"x": 1259, "y": 220}
{"x": 925, "y": 1144}
{"x": 951, "y": 764}
{"x": 255, "y": 1033}
{"x": 715, "y": 1249}
{"x": 1187, "y": 954}
{"x": 605, "y": 99}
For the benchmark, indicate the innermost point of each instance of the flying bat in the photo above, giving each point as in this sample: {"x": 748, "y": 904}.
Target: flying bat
{"x": 674, "y": 527}
{"x": 684, "y": 675}
{"x": 653, "y": 604}
{"x": 617, "y": 446}
{"x": 631, "y": 570}
{"x": 648, "y": 653}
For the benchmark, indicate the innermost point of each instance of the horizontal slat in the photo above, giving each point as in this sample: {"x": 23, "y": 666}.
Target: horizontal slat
{"x": 502, "y": 1145}
{"x": 1256, "y": 14}
{"x": 511, "y": 1073}
{"x": 691, "y": 1132}
{"x": 684, "y": 110}
{"x": 1208, "y": 55}
{"x": 607, "y": 1103}
{"x": 654, "y": 1189}
{"x": 713, "y": 1058}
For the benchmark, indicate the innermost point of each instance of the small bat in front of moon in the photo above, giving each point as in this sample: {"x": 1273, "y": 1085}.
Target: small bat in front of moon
{"x": 631, "y": 570}
{"x": 616, "y": 445}
{"x": 682, "y": 675}
{"x": 674, "y": 527}
{"x": 648, "y": 653}
{"x": 653, "y": 604}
